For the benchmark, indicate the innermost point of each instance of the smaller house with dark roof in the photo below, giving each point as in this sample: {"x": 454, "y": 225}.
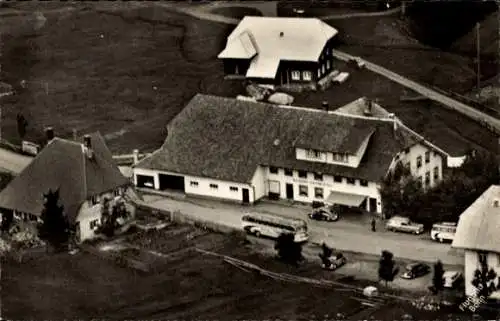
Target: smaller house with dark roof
{"x": 279, "y": 51}
{"x": 84, "y": 173}
{"x": 243, "y": 151}
{"x": 477, "y": 234}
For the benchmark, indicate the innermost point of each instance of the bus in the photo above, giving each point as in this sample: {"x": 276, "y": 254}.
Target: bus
{"x": 444, "y": 231}
{"x": 273, "y": 225}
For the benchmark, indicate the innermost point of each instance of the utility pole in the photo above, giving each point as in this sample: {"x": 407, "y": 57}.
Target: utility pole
{"x": 478, "y": 51}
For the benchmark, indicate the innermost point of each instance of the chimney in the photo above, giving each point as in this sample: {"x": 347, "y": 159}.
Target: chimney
{"x": 75, "y": 136}
{"x": 87, "y": 145}
{"x": 136, "y": 156}
{"x": 49, "y": 133}
{"x": 282, "y": 34}
{"x": 325, "y": 106}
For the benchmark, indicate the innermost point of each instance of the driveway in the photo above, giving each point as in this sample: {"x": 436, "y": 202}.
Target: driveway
{"x": 346, "y": 234}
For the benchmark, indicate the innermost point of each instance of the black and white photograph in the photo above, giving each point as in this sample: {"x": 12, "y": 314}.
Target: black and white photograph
{"x": 250, "y": 160}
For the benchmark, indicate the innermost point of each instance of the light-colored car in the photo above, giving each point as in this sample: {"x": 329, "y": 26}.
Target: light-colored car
{"x": 404, "y": 224}
{"x": 452, "y": 279}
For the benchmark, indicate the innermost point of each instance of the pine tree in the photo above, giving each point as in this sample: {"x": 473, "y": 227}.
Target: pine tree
{"x": 387, "y": 270}
{"x": 437, "y": 278}
{"x": 289, "y": 251}
{"x": 54, "y": 228}
{"x": 484, "y": 279}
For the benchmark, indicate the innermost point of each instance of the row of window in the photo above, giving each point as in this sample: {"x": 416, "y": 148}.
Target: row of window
{"x": 94, "y": 200}
{"x": 427, "y": 159}
{"x": 483, "y": 258}
{"x": 318, "y": 176}
{"x": 304, "y": 191}
{"x": 213, "y": 186}
{"x": 337, "y": 157}
{"x": 307, "y": 75}
{"x": 427, "y": 180}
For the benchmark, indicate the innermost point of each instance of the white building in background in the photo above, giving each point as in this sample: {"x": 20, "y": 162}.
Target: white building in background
{"x": 477, "y": 234}
{"x": 243, "y": 151}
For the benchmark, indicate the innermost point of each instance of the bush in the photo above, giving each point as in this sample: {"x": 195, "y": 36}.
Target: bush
{"x": 289, "y": 251}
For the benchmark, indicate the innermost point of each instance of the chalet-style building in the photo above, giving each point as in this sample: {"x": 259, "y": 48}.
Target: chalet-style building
{"x": 242, "y": 151}
{"x": 278, "y": 51}
{"x": 477, "y": 234}
{"x": 84, "y": 173}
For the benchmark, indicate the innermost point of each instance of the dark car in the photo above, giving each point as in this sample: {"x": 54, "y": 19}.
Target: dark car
{"x": 324, "y": 214}
{"x": 334, "y": 262}
{"x": 415, "y": 270}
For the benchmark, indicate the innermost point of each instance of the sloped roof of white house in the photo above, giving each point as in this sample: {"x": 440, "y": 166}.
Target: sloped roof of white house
{"x": 276, "y": 39}
{"x": 479, "y": 224}
{"x": 242, "y": 47}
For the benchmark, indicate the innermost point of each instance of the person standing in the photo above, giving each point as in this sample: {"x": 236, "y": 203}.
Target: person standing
{"x": 374, "y": 225}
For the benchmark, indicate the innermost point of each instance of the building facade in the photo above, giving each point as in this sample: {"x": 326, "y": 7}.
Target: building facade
{"x": 279, "y": 51}
{"x": 245, "y": 151}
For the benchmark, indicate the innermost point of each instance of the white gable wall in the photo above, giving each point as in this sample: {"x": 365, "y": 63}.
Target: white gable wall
{"x": 472, "y": 263}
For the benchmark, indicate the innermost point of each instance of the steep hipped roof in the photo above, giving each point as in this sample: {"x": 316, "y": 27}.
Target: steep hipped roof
{"x": 479, "y": 224}
{"x": 277, "y": 39}
{"x": 227, "y": 139}
{"x": 62, "y": 164}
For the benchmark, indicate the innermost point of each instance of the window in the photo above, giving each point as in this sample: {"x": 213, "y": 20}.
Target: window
{"x": 118, "y": 191}
{"x": 288, "y": 172}
{"x": 482, "y": 257}
{"x": 273, "y": 170}
{"x": 407, "y": 150}
{"x": 408, "y": 165}
{"x": 363, "y": 182}
{"x": 436, "y": 172}
{"x": 351, "y": 181}
{"x": 319, "y": 72}
{"x": 328, "y": 64}
{"x": 427, "y": 178}
{"x": 427, "y": 157}
{"x": 420, "y": 181}
{"x": 306, "y": 75}
{"x": 214, "y": 186}
{"x": 419, "y": 161}
{"x": 94, "y": 200}
{"x": 340, "y": 157}
{"x": 337, "y": 179}
{"x": 93, "y": 224}
{"x": 318, "y": 192}
{"x": 295, "y": 75}
{"x": 322, "y": 68}
{"x": 302, "y": 190}
{"x": 311, "y": 153}
{"x": 236, "y": 69}
{"x": 233, "y": 188}
{"x": 193, "y": 184}
{"x": 302, "y": 174}
{"x": 318, "y": 176}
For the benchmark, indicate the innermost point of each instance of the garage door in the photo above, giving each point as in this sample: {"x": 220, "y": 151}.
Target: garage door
{"x": 172, "y": 182}
{"x": 145, "y": 181}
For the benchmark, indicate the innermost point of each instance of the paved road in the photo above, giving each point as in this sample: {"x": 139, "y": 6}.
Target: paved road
{"x": 13, "y": 162}
{"x": 346, "y": 234}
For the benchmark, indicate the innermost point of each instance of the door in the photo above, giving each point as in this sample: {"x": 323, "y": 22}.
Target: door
{"x": 246, "y": 195}
{"x": 289, "y": 191}
{"x": 172, "y": 182}
{"x": 274, "y": 190}
{"x": 373, "y": 204}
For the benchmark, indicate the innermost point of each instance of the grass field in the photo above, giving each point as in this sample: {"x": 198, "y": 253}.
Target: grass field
{"x": 124, "y": 72}
{"x": 236, "y": 12}
{"x": 193, "y": 286}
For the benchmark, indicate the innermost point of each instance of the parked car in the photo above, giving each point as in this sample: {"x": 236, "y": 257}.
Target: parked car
{"x": 415, "y": 270}
{"x": 325, "y": 213}
{"x": 403, "y": 224}
{"x": 452, "y": 279}
{"x": 337, "y": 260}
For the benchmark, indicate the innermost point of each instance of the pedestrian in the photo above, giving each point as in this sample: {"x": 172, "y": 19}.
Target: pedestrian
{"x": 374, "y": 225}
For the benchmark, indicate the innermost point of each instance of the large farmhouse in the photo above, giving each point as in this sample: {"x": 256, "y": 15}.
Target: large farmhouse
{"x": 84, "y": 173}
{"x": 243, "y": 151}
{"x": 477, "y": 235}
{"x": 277, "y": 51}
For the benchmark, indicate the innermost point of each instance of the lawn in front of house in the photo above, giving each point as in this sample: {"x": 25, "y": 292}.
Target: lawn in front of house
{"x": 124, "y": 71}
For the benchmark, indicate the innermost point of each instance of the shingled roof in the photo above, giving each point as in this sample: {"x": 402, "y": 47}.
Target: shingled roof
{"x": 269, "y": 40}
{"x": 479, "y": 224}
{"x": 63, "y": 165}
{"x": 227, "y": 139}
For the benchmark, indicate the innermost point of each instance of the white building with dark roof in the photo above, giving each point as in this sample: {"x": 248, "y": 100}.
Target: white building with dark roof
{"x": 278, "y": 51}
{"x": 477, "y": 234}
{"x": 243, "y": 151}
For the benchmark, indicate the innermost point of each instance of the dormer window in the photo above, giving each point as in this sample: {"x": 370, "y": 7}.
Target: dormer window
{"x": 496, "y": 203}
{"x": 311, "y": 153}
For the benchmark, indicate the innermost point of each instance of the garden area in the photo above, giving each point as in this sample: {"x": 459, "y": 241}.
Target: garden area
{"x": 190, "y": 284}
